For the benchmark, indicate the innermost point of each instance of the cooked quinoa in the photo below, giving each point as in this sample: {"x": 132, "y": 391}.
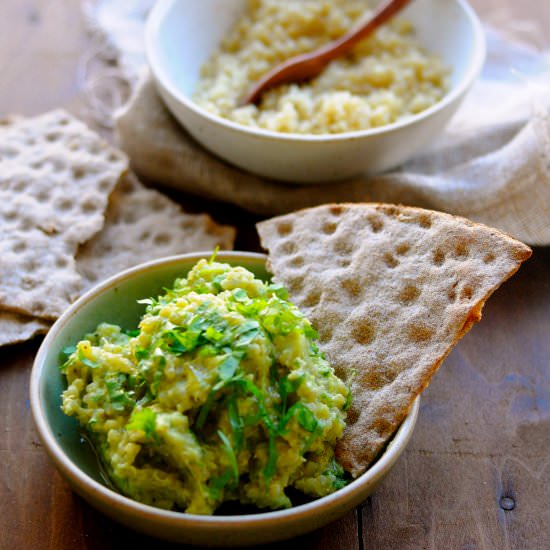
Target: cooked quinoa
{"x": 385, "y": 78}
{"x": 221, "y": 394}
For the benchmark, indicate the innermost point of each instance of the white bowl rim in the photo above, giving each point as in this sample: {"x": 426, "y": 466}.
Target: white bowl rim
{"x": 158, "y": 12}
{"x": 116, "y": 500}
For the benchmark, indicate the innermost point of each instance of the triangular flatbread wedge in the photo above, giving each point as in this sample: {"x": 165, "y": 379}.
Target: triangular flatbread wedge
{"x": 391, "y": 290}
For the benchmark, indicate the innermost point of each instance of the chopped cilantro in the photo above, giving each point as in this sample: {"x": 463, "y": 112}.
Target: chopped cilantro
{"x": 180, "y": 341}
{"x": 239, "y": 294}
{"x": 279, "y": 290}
{"x": 85, "y": 361}
{"x": 349, "y": 400}
{"x": 142, "y": 353}
{"x": 229, "y": 365}
{"x": 65, "y": 355}
{"x": 212, "y": 258}
{"x": 148, "y": 301}
{"x": 116, "y": 388}
{"x": 336, "y": 472}
{"x": 230, "y": 453}
{"x": 306, "y": 418}
{"x": 286, "y": 387}
{"x": 216, "y": 484}
{"x": 143, "y": 419}
{"x": 160, "y": 363}
{"x": 67, "y": 351}
{"x": 236, "y": 421}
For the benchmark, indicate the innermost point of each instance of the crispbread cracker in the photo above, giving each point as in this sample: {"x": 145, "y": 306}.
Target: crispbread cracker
{"x": 142, "y": 224}
{"x": 390, "y": 290}
{"x": 55, "y": 179}
{"x": 37, "y": 274}
{"x": 15, "y": 328}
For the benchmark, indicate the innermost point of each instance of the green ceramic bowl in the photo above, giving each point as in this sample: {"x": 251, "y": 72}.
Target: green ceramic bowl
{"x": 115, "y": 301}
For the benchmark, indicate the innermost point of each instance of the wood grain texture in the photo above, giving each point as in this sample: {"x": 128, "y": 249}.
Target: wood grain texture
{"x": 476, "y": 474}
{"x": 482, "y": 440}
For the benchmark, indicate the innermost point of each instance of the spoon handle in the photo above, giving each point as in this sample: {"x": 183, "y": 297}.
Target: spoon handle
{"x": 346, "y": 42}
{"x": 306, "y": 66}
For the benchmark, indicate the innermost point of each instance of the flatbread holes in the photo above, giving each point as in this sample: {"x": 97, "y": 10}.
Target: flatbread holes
{"x": 391, "y": 290}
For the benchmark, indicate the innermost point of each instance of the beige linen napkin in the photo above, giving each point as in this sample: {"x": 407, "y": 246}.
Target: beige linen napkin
{"x": 492, "y": 163}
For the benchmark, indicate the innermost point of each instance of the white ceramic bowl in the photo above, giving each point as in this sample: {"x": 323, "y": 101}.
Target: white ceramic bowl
{"x": 115, "y": 301}
{"x": 182, "y": 34}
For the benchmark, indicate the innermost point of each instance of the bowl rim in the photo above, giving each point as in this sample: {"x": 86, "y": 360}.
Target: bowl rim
{"x": 86, "y": 485}
{"x": 160, "y": 10}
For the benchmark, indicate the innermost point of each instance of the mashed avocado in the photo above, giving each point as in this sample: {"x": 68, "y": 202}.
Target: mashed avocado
{"x": 221, "y": 394}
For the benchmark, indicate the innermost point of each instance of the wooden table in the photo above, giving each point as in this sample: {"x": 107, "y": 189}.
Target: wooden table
{"x": 477, "y": 471}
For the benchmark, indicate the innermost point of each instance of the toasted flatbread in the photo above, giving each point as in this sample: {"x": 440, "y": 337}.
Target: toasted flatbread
{"x": 55, "y": 179}
{"x": 142, "y": 224}
{"x": 390, "y": 290}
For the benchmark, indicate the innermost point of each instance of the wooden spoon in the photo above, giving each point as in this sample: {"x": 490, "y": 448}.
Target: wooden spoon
{"x": 309, "y": 65}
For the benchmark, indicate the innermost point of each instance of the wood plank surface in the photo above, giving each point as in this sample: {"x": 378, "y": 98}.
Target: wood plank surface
{"x": 476, "y": 473}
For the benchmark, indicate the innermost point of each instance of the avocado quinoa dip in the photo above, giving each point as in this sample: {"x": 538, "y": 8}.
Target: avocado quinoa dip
{"x": 221, "y": 394}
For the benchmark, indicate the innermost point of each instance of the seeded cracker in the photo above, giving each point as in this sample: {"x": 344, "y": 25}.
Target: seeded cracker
{"x": 142, "y": 224}
{"x": 390, "y": 290}
{"x": 55, "y": 179}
